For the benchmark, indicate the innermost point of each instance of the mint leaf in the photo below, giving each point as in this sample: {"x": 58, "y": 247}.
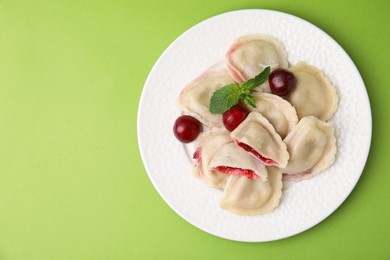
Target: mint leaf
{"x": 250, "y": 84}
{"x": 249, "y": 100}
{"x": 224, "y": 98}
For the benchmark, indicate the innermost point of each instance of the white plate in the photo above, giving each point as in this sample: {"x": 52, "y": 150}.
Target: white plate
{"x": 303, "y": 204}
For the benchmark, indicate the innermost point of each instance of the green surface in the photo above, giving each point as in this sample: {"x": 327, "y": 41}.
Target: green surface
{"x": 72, "y": 183}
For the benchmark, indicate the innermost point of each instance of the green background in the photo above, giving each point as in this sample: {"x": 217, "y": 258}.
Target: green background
{"x": 72, "y": 183}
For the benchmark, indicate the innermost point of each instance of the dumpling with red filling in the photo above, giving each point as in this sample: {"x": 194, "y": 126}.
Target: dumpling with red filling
{"x": 258, "y": 137}
{"x": 253, "y": 197}
{"x": 312, "y": 148}
{"x": 230, "y": 159}
{"x": 207, "y": 145}
{"x": 195, "y": 97}
{"x": 251, "y": 54}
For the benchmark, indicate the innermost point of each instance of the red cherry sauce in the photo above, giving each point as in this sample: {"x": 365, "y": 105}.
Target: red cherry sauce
{"x": 197, "y": 156}
{"x": 237, "y": 171}
{"x": 266, "y": 161}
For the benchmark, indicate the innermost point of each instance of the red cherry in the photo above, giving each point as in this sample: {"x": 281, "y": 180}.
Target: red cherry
{"x": 186, "y": 128}
{"x": 233, "y": 117}
{"x": 281, "y": 81}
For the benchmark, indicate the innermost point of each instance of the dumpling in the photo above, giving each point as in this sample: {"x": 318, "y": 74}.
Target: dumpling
{"x": 313, "y": 94}
{"x": 251, "y": 54}
{"x": 312, "y": 148}
{"x": 253, "y": 197}
{"x": 230, "y": 159}
{"x": 195, "y": 97}
{"x": 279, "y": 112}
{"x": 258, "y": 137}
{"x": 207, "y": 145}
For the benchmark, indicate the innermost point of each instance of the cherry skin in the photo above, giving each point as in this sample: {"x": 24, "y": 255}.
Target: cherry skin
{"x": 233, "y": 117}
{"x": 186, "y": 128}
{"x": 281, "y": 82}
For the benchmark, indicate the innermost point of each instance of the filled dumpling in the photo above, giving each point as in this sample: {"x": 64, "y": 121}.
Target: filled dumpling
{"x": 258, "y": 137}
{"x": 230, "y": 159}
{"x": 313, "y": 94}
{"x": 280, "y": 113}
{"x": 207, "y": 145}
{"x": 251, "y": 54}
{"x": 312, "y": 148}
{"x": 195, "y": 97}
{"x": 253, "y": 197}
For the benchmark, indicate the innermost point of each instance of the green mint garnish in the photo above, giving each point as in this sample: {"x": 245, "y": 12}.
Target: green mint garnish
{"x": 250, "y": 84}
{"x": 226, "y": 97}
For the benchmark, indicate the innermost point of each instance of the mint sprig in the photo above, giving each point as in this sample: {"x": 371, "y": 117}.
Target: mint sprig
{"x": 226, "y": 97}
{"x": 223, "y": 98}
